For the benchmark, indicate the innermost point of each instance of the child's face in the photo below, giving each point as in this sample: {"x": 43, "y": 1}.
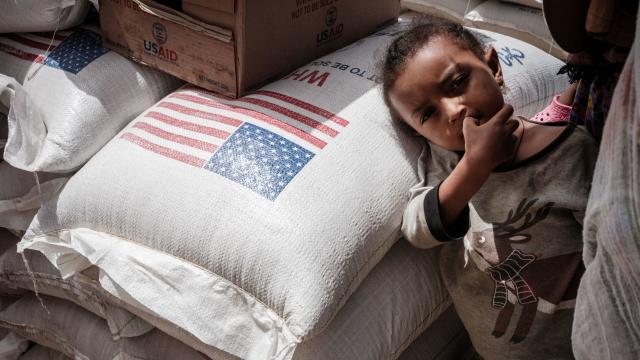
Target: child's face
{"x": 441, "y": 85}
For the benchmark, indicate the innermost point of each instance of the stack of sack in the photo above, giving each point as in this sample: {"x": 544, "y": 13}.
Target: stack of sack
{"x": 67, "y": 97}
{"x": 265, "y": 227}
{"x": 38, "y": 15}
{"x": 521, "y": 19}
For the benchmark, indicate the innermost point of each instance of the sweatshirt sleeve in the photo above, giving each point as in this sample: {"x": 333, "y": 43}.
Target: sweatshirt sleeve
{"x": 422, "y": 224}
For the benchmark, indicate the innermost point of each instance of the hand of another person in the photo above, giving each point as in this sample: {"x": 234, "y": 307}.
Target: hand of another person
{"x": 492, "y": 143}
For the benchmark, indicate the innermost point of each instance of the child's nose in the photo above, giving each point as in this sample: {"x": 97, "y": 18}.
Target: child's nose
{"x": 454, "y": 110}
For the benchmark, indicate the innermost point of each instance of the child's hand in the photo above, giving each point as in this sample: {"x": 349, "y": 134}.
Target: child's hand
{"x": 492, "y": 143}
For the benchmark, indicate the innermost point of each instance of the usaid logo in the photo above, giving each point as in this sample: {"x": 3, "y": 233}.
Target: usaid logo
{"x": 159, "y": 33}
{"x": 156, "y": 48}
{"x": 333, "y": 30}
{"x": 331, "y": 17}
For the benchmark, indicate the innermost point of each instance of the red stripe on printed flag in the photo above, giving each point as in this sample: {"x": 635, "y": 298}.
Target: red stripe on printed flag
{"x": 164, "y": 151}
{"x": 274, "y": 107}
{"x": 200, "y": 114}
{"x": 21, "y": 54}
{"x": 255, "y": 115}
{"x": 304, "y": 105}
{"x": 221, "y": 134}
{"x": 292, "y": 114}
{"x": 184, "y": 140}
{"x": 28, "y": 42}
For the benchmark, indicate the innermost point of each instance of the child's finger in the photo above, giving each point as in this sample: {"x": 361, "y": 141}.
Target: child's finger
{"x": 472, "y": 119}
{"x": 469, "y": 121}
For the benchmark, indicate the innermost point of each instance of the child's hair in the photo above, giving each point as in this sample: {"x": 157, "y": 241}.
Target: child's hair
{"x": 404, "y": 47}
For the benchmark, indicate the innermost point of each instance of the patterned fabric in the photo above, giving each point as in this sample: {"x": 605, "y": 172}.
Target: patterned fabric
{"x": 592, "y": 101}
{"x": 607, "y": 315}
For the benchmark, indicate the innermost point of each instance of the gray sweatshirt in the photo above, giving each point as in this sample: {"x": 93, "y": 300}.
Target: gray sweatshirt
{"x": 513, "y": 260}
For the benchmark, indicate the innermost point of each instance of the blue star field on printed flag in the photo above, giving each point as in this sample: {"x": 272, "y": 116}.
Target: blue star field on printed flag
{"x": 259, "y": 160}
{"x": 76, "y": 52}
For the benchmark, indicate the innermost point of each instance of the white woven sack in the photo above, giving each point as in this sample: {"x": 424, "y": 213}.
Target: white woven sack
{"x": 41, "y": 15}
{"x": 536, "y": 4}
{"x": 529, "y": 73}
{"x": 301, "y": 183}
{"x": 399, "y": 300}
{"x": 80, "y": 289}
{"x": 21, "y": 194}
{"x": 75, "y": 97}
{"x": 449, "y": 9}
{"x": 7, "y": 86}
{"x": 69, "y": 329}
{"x": 521, "y": 22}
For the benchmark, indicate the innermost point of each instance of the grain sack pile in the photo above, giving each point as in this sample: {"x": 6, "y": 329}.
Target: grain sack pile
{"x": 454, "y": 10}
{"x": 62, "y": 103}
{"x": 254, "y": 226}
{"x": 81, "y": 289}
{"x": 521, "y": 19}
{"x": 75, "y": 332}
{"x": 41, "y": 15}
{"x": 75, "y": 96}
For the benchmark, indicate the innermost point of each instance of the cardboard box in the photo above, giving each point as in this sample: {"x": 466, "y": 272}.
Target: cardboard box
{"x": 244, "y": 43}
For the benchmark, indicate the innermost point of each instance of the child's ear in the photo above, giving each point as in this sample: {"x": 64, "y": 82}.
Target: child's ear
{"x": 493, "y": 61}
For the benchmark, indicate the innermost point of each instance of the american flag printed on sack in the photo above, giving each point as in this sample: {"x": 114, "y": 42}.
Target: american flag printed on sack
{"x": 261, "y": 141}
{"x": 70, "y": 51}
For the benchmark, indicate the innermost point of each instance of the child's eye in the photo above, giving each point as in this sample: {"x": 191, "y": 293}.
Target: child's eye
{"x": 459, "y": 81}
{"x": 426, "y": 115}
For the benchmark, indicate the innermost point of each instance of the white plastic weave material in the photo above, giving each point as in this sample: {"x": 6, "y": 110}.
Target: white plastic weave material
{"x": 80, "y": 289}
{"x": 21, "y": 192}
{"x": 69, "y": 329}
{"x": 41, "y": 15}
{"x": 275, "y": 206}
{"x": 21, "y": 195}
{"x": 7, "y": 85}
{"x": 607, "y": 315}
{"x": 401, "y": 297}
{"x": 449, "y": 9}
{"x": 521, "y": 22}
{"x": 75, "y": 97}
{"x": 529, "y": 73}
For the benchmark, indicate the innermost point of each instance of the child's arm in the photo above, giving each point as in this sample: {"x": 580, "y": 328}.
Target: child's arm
{"x": 486, "y": 146}
{"x": 439, "y": 213}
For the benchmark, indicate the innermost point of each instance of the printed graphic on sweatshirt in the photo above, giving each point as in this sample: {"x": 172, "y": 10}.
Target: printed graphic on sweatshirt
{"x": 521, "y": 278}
